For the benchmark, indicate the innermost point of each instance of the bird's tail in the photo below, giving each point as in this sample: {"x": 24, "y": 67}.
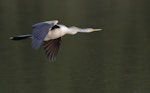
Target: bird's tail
{"x": 21, "y": 37}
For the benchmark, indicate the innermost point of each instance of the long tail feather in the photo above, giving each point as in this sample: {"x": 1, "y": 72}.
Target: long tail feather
{"x": 21, "y": 37}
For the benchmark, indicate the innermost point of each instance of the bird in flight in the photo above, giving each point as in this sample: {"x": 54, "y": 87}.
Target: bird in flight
{"x": 49, "y": 34}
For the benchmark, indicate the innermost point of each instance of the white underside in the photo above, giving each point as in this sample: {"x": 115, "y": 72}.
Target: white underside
{"x": 53, "y": 34}
{"x": 59, "y": 32}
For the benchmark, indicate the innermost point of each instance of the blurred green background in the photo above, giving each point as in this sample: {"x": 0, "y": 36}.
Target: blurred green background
{"x": 115, "y": 60}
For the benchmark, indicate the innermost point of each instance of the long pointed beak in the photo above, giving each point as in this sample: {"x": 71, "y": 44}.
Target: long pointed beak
{"x": 92, "y": 30}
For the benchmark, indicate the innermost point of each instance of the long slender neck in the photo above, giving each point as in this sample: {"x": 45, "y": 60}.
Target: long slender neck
{"x": 66, "y": 30}
{"x": 72, "y": 31}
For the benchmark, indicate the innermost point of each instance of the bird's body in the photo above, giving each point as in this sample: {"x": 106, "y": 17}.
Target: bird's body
{"x": 49, "y": 33}
{"x": 56, "y": 33}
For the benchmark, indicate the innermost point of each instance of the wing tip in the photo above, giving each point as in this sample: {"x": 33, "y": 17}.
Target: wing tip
{"x": 51, "y": 48}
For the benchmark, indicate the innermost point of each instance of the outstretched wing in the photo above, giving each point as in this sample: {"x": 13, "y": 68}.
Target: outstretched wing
{"x": 40, "y": 30}
{"x": 51, "y": 48}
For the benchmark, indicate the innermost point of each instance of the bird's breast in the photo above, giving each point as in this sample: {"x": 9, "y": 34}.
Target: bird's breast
{"x": 54, "y": 34}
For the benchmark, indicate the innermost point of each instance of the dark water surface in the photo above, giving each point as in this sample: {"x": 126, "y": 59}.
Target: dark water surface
{"x": 115, "y": 60}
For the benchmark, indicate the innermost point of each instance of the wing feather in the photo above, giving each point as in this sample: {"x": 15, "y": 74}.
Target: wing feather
{"x": 51, "y": 48}
{"x": 40, "y": 30}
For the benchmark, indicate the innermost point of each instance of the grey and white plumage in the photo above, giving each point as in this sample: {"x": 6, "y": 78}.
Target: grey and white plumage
{"x": 49, "y": 34}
